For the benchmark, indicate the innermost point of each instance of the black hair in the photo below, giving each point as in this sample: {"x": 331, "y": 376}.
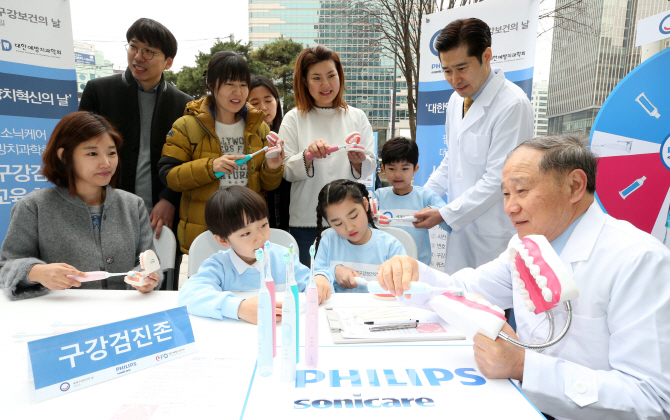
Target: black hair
{"x": 473, "y": 33}
{"x": 259, "y": 80}
{"x": 336, "y": 192}
{"x": 400, "y": 149}
{"x": 231, "y": 209}
{"x": 225, "y": 66}
{"x": 154, "y": 34}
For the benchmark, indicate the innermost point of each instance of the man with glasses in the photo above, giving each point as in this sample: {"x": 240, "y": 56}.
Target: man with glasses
{"x": 143, "y": 106}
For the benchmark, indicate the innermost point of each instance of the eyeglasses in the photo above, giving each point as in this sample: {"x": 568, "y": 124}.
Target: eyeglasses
{"x": 147, "y": 54}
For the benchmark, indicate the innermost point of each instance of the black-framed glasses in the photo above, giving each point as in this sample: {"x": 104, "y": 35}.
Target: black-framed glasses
{"x": 147, "y": 54}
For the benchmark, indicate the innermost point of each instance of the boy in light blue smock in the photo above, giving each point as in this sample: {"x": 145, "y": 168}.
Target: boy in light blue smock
{"x": 350, "y": 248}
{"x": 238, "y": 218}
{"x": 400, "y": 157}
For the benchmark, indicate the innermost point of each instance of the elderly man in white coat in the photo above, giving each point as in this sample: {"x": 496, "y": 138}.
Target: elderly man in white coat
{"x": 487, "y": 117}
{"x": 614, "y": 362}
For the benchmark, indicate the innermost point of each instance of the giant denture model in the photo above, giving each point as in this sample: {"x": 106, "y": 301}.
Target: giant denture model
{"x": 543, "y": 282}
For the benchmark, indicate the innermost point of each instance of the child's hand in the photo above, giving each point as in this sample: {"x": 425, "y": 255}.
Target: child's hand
{"x": 248, "y": 310}
{"x": 323, "y": 286}
{"x": 345, "y": 277}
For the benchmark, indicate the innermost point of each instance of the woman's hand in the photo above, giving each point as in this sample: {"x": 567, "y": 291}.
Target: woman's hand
{"x": 151, "y": 282}
{"x": 54, "y": 276}
{"x": 226, "y": 163}
{"x": 356, "y": 158}
{"x": 276, "y": 161}
{"x": 319, "y": 148}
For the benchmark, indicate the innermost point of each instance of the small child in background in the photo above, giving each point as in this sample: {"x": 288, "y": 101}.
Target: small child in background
{"x": 238, "y": 218}
{"x": 351, "y": 248}
{"x": 400, "y": 157}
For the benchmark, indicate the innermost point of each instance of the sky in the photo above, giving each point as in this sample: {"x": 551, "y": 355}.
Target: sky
{"x": 196, "y": 28}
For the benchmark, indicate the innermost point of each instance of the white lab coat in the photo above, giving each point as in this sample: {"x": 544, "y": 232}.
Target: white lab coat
{"x": 471, "y": 172}
{"x": 614, "y": 362}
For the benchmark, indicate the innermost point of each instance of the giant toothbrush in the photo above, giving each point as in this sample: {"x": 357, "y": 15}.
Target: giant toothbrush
{"x": 265, "y": 322}
{"x": 270, "y": 282}
{"x": 296, "y": 295}
{"x": 312, "y": 317}
{"x": 288, "y": 343}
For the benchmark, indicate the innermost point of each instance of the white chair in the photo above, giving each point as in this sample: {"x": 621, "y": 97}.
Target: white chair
{"x": 166, "y": 248}
{"x": 204, "y": 246}
{"x": 405, "y": 239}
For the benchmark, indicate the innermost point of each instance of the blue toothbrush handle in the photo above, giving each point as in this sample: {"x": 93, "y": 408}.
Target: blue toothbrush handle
{"x": 239, "y": 162}
{"x": 243, "y": 160}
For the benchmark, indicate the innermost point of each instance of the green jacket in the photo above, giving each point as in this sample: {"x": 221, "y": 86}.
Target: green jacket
{"x": 188, "y": 156}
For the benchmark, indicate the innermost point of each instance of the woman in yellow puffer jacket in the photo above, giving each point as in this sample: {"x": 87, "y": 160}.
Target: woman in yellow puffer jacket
{"x": 212, "y": 134}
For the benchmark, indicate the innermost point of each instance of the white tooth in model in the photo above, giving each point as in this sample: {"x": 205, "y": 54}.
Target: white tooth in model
{"x": 546, "y": 280}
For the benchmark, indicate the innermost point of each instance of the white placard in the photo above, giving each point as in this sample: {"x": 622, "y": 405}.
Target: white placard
{"x": 652, "y": 29}
{"x": 393, "y": 382}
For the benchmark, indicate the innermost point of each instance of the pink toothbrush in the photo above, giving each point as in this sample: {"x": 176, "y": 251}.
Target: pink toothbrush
{"x": 352, "y": 142}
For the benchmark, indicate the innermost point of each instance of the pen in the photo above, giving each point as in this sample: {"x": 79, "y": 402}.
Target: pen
{"x": 393, "y": 327}
{"x": 405, "y": 321}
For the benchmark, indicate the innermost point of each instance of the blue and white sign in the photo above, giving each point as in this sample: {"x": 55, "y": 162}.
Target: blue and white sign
{"x": 37, "y": 89}
{"x": 73, "y": 361}
{"x": 84, "y": 58}
{"x": 653, "y": 28}
{"x": 429, "y": 382}
{"x": 513, "y": 26}
{"x": 631, "y": 137}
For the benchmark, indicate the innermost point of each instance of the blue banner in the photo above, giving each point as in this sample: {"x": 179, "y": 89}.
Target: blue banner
{"x": 111, "y": 350}
{"x": 84, "y": 58}
{"x": 37, "y": 89}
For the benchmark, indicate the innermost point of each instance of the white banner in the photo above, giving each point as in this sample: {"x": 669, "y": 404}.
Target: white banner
{"x": 653, "y": 28}
{"x": 37, "y": 89}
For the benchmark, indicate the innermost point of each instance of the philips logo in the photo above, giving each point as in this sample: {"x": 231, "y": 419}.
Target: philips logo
{"x": 64, "y": 386}
{"x": 432, "y": 44}
{"x": 6, "y": 45}
{"x": 664, "y": 26}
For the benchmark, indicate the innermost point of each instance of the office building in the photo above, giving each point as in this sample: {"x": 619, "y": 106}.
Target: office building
{"x": 344, "y": 27}
{"x": 539, "y": 101}
{"x": 89, "y": 64}
{"x": 589, "y": 58}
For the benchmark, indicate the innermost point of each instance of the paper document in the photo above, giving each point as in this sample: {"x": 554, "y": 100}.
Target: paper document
{"x": 350, "y": 324}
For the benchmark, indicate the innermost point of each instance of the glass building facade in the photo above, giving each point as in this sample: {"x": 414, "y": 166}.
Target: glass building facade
{"x": 346, "y": 28}
{"x": 585, "y": 68}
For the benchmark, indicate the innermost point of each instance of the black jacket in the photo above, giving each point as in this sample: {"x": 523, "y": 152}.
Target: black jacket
{"x": 115, "y": 98}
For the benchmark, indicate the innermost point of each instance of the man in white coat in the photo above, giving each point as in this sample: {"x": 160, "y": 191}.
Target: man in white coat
{"x": 614, "y": 362}
{"x": 487, "y": 117}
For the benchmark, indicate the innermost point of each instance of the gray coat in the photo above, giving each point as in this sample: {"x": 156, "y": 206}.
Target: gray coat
{"x": 49, "y": 226}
